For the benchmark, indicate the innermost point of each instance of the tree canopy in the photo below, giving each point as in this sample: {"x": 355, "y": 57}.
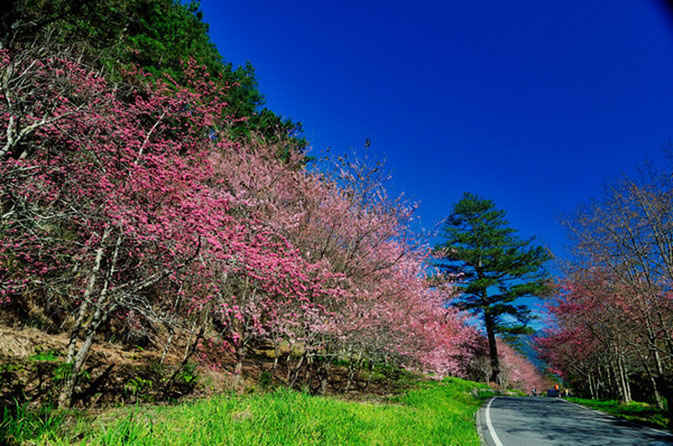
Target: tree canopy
{"x": 494, "y": 268}
{"x": 158, "y": 36}
{"x": 612, "y": 312}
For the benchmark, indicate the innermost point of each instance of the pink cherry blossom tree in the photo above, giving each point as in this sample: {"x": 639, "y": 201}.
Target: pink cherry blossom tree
{"x": 124, "y": 206}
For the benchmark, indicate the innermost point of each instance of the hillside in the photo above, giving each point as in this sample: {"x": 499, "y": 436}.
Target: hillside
{"x": 162, "y": 240}
{"x": 429, "y": 414}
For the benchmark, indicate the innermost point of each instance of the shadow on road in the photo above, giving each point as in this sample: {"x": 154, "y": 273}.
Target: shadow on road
{"x": 548, "y": 421}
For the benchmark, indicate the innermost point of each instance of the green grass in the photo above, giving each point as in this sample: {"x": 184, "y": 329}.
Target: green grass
{"x": 21, "y": 423}
{"x": 634, "y": 411}
{"x": 428, "y": 414}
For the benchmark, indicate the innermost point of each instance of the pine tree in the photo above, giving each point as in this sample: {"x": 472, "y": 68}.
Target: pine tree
{"x": 494, "y": 268}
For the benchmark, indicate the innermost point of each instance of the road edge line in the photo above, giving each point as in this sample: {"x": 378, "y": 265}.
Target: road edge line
{"x": 489, "y": 425}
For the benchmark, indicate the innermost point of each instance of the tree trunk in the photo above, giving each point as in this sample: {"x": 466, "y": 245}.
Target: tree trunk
{"x": 74, "y": 357}
{"x": 293, "y": 372}
{"x": 492, "y": 348}
{"x": 77, "y": 363}
{"x": 352, "y": 367}
{"x": 660, "y": 375}
{"x": 240, "y": 356}
{"x": 276, "y": 353}
{"x": 592, "y": 389}
{"x": 617, "y": 381}
{"x": 166, "y": 347}
{"x": 602, "y": 382}
{"x": 623, "y": 376}
{"x": 324, "y": 378}
{"x": 657, "y": 394}
{"x": 653, "y": 380}
{"x": 190, "y": 348}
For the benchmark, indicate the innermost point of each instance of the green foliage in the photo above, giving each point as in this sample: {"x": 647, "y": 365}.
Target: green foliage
{"x": 496, "y": 266}
{"x": 428, "y": 414}
{"x": 19, "y": 424}
{"x": 47, "y": 356}
{"x": 517, "y": 392}
{"x": 139, "y": 387}
{"x": 10, "y": 368}
{"x": 188, "y": 374}
{"x": 634, "y": 411}
{"x": 157, "y": 36}
{"x": 265, "y": 380}
{"x": 62, "y": 372}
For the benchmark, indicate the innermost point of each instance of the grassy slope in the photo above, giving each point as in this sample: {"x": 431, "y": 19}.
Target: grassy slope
{"x": 641, "y": 412}
{"x": 428, "y": 414}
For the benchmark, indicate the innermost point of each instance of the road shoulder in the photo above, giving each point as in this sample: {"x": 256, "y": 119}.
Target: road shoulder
{"x": 622, "y": 420}
{"x": 485, "y": 435}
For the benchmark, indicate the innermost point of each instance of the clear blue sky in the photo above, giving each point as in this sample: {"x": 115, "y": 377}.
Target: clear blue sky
{"x": 532, "y": 104}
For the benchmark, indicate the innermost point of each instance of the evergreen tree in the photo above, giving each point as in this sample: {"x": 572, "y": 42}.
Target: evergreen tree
{"x": 157, "y": 36}
{"x": 494, "y": 267}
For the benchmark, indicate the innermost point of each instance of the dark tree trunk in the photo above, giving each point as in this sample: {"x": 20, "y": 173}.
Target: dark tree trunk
{"x": 667, "y": 392}
{"x": 492, "y": 348}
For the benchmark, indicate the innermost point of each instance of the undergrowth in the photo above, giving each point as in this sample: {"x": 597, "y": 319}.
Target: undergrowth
{"x": 20, "y": 423}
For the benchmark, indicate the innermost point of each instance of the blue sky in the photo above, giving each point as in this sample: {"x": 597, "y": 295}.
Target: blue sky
{"x": 532, "y": 104}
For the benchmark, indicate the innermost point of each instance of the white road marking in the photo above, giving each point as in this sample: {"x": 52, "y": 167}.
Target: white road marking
{"x": 496, "y": 440}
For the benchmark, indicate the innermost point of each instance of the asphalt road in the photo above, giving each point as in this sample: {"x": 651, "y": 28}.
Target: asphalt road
{"x": 512, "y": 421}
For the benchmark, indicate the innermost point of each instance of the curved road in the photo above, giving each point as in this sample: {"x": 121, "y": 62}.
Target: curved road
{"x": 511, "y": 421}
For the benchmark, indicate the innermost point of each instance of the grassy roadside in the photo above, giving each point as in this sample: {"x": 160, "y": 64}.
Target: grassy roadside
{"x": 428, "y": 414}
{"x": 634, "y": 411}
